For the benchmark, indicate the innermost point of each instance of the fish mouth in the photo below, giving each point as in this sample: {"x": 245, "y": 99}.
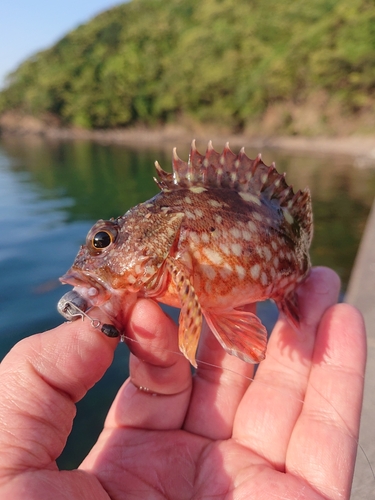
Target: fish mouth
{"x": 88, "y": 286}
{"x": 88, "y": 292}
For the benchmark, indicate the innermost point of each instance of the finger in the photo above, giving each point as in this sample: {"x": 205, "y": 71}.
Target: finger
{"x": 40, "y": 380}
{"x": 327, "y": 429}
{"x": 157, "y": 393}
{"x": 277, "y": 393}
{"x": 219, "y": 385}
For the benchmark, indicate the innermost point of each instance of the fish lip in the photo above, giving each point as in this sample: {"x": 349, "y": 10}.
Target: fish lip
{"x": 85, "y": 280}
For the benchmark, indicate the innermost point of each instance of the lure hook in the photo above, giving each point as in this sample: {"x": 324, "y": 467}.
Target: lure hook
{"x": 72, "y": 306}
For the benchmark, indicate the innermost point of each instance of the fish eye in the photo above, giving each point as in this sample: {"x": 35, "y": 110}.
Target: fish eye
{"x": 101, "y": 236}
{"x": 102, "y": 239}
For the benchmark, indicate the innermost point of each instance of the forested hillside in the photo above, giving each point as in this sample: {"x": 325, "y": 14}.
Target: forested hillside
{"x": 219, "y": 61}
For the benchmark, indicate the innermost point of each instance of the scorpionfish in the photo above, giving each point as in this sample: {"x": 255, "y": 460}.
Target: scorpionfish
{"x": 224, "y": 231}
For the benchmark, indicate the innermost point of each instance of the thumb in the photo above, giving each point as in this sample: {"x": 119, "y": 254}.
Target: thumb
{"x": 41, "y": 378}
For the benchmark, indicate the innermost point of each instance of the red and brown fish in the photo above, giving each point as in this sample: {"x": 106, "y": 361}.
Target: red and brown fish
{"x": 225, "y": 231}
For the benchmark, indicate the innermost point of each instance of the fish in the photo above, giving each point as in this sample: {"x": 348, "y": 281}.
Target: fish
{"x": 225, "y": 231}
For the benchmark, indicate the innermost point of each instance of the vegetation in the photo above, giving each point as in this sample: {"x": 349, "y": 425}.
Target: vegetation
{"x": 217, "y": 61}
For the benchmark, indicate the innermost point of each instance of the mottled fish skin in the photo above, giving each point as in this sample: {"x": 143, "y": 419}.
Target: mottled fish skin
{"x": 224, "y": 232}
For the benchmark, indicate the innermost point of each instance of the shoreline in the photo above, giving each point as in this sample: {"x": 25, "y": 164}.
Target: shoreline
{"x": 360, "y": 147}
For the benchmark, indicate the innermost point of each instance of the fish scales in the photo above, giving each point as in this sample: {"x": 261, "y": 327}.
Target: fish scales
{"x": 225, "y": 231}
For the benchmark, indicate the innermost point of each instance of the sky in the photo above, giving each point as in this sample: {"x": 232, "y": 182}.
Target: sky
{"x": 28, "y": 26}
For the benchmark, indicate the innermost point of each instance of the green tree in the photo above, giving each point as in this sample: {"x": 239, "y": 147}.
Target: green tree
{"x": 220, "y": 61}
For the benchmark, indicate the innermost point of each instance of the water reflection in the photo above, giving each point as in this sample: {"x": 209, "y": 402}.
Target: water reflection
{"x": 51, "y": 193}
{"x": 102, "y": 181}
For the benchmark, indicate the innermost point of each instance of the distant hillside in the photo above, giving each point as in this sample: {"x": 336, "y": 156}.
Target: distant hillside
{"x": 260, "y": 65}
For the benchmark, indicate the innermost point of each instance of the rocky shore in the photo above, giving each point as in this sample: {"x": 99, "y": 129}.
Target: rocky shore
{"x": 361, "y": 147}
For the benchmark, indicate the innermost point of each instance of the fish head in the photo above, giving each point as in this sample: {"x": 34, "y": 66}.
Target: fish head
{"x": 123, "y": 258}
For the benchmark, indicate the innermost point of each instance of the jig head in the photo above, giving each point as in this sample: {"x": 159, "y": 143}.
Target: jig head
{"x": 73, "y": 306}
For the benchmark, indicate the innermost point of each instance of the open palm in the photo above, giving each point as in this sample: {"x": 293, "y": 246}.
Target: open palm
{"x": 289, "y": 433}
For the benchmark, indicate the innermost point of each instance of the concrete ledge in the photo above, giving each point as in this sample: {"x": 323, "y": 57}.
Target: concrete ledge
{"x": 361, "y": 293}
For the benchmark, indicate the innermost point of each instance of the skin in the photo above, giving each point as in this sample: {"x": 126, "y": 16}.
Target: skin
{"x": 291, "y": 433}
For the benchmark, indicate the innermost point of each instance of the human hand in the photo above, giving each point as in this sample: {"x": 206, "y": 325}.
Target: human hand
{"x": 291, "y": 433}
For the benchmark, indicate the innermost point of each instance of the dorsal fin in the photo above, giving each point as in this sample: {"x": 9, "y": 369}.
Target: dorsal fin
{"x": 224, "y": 170}
{"x": 240, "y": 173}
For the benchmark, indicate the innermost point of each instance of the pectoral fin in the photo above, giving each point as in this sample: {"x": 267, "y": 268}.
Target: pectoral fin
{"x": 240, "y": 333}
{"x": 190, "y": 316}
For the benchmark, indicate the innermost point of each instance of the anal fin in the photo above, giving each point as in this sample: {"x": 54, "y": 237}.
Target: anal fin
{"x": 240, "y": 332}
{"x": 190, "y": 323}
{"x": 288, "y": 305}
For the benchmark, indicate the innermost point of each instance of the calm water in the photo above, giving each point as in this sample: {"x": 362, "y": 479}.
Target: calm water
{"x": 52, "y": 192}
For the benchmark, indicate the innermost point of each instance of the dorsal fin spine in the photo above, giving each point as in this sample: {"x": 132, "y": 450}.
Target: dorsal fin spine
{"x": 190, "y": 165}
{"x": 195, "y": 158}
{"x": 176, "y": 164}
{"x": 256, "y": 162}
